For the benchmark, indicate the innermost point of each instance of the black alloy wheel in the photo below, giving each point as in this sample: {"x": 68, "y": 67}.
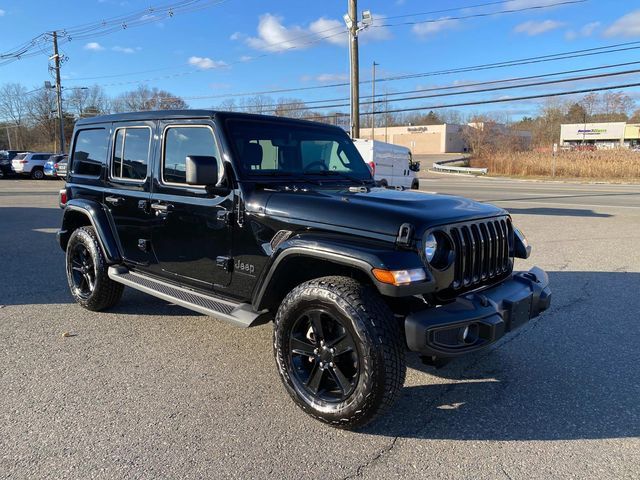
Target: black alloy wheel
{"x": 323, "y": 356}
{"x": 339, "y": 351}
{"x": 83, "y": 271}
{"x": 87, "y": 272}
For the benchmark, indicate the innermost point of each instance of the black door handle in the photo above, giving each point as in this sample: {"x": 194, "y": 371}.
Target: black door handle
{"x": 114, "y": 200}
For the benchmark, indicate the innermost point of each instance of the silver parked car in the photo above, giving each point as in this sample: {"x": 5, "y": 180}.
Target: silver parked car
{"x": 30, "y": 163}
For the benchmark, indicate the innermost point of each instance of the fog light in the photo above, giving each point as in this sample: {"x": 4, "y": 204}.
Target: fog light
{"x": 468, "y": 334}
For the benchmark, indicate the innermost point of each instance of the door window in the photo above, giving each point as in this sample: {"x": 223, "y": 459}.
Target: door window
{"x": 181, "y": 142}
{"x": 131, "y": 153}
{"x": 90, "y": 152}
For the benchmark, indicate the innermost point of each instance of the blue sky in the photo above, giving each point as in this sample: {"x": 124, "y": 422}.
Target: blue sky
{"x": 236, "y": 46}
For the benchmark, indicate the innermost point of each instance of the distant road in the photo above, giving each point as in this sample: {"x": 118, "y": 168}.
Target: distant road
{"x": 520, "y": 194}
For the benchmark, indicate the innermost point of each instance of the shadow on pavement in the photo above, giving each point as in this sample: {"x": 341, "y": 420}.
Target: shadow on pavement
{"x": 33, "y": 266}
{"x": 560, "y": 212}
{"x": 570, "y": 374}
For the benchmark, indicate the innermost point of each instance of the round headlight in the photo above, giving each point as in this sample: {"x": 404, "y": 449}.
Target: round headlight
{"x": 430, "y": 247}
{"x": 438, "y": 250}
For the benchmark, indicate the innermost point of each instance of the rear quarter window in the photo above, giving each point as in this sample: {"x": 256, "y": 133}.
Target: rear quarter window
{"x": 89, "y": 152}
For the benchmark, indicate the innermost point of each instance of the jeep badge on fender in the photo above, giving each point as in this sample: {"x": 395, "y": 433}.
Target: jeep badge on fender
{"x": 255, "y": 219}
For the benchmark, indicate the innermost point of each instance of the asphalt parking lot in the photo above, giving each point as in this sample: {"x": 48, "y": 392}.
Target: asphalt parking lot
{"x": 149, "y": 390}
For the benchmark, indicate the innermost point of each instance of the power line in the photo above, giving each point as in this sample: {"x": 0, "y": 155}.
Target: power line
{"x": 107, "y": 26}
{"x": 481, "y": 15}
{"x": 516, "y": 99}
{"x": 480, "y": 67}
{"x": 449, "y": 87}
{"x": 483, "y": 90}
{"x": 486, "y": 14}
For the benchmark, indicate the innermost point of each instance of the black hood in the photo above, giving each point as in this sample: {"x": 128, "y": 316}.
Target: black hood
{"x": 379, "y": 210}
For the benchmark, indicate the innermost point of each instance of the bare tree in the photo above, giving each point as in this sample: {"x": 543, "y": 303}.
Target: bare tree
{"x": 88, "y": 102}
{"x": 42, "y": 112}
{"x": 14, "y": 108}
{"x": 292, "y": 107}
{"x": 145, "y": 98}
{"x": 479, "y": 133}
{"x": 228, "y": 105}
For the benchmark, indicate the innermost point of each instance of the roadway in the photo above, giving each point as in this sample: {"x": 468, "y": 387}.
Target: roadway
{"x": 149, "y": 390}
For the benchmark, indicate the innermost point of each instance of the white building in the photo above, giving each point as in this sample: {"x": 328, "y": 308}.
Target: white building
{"x": 601, "y": 135}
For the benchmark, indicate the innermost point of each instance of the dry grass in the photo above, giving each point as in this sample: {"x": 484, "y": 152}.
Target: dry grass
{"x": 598, "y": 165}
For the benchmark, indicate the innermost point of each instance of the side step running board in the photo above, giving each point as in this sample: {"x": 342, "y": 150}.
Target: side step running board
{"x": 239, "y": 314}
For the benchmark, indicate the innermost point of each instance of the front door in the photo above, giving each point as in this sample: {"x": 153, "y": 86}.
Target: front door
{"x": 191, "y": 233}
{"x": 129, "y": 189}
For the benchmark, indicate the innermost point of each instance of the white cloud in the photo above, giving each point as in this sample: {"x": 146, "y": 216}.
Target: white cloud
{"x": 205, "y": 63}
{"x": 246, "y": 58}
{"x": 585, "y": 31}
{"x": 128, "y": 50}
{"x": 236, "y": 36}
{"x": 588, "y": 29}
{"x": 516, "y": 4}
{"x": 626, "y": 26}
{"x": 274, "y": 36}
{"x": 330, "y": 28}
{"x": 437, "y": 26}
{"x": 2, "y": 12}
{"x": 94, "y": 46}
{"x": 331, "y": 77}
{"x": 532, "y": 27}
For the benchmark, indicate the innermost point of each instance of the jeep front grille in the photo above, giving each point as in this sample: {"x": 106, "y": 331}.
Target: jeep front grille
{"x": 481, "y": 251}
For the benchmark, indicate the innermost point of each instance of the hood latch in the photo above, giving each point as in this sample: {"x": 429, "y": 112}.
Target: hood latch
{"x": 405, "y": 235}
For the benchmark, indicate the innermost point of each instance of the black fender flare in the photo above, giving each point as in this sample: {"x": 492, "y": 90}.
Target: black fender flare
{"x": 78, "y": 212}
{"x": 360, "y": 257}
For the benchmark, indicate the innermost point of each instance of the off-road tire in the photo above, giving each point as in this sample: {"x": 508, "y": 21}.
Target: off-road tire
{"x": 377, "y": 335}
{"x": 106, "y": 292}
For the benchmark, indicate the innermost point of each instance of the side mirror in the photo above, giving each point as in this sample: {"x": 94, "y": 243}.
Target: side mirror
{"x": 414, "y": 166}
{"x": 202, "y": 170}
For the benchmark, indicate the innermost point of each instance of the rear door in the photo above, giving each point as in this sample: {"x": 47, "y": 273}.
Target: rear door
{"x": 191, "y": 233}
{"x": 129, "y": 186}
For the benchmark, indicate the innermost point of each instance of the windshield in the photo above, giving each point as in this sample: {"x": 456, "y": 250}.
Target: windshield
{"x": 281, "y": 149}
{"x": 20, "y": 156}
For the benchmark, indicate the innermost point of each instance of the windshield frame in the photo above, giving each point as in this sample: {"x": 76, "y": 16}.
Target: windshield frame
{"x": 318, "y": 177}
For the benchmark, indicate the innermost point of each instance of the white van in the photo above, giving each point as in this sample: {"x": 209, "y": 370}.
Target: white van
{"x": 391, "y": 165}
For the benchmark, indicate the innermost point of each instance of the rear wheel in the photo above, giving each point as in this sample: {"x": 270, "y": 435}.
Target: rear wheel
{"x": 87, "y": 275}
{"x": 37, "y": 174}
{"x": 339, "y": 351}
{"x": 415, "y": 185}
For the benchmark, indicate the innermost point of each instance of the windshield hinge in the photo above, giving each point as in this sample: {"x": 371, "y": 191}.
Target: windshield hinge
{"x": 405, "y": 235}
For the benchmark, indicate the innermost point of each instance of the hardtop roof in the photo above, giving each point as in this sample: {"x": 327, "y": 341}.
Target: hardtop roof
{"x": 192, "y": 114}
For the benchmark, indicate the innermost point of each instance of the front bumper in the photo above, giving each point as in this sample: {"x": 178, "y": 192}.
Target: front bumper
{"x": 477, "y": 319}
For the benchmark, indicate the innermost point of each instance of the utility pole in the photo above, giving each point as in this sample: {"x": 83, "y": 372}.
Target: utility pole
{"x": 355, "y": 26}
{"x": 56, "y": 59}
{"x": 355, "y": 69}
{"x": 373, "y": 103}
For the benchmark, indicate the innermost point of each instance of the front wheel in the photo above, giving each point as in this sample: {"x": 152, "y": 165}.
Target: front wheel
{"x": 87, "y": 275}
{"x": 339, "y": 351}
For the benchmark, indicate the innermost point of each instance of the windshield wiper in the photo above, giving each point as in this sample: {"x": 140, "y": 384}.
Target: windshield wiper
{"x": 290, "y": 177}
{"x": 346, "y": 176}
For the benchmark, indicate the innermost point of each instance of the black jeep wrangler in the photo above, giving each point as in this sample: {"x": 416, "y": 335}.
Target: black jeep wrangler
{"x": 251, "y": 218}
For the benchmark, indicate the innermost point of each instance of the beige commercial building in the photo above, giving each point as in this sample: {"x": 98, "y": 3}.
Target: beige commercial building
{"x": 422, "y": 139}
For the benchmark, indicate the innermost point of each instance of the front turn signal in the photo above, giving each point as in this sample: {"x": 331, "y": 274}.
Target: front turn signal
{"x": 399, "y": 277}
